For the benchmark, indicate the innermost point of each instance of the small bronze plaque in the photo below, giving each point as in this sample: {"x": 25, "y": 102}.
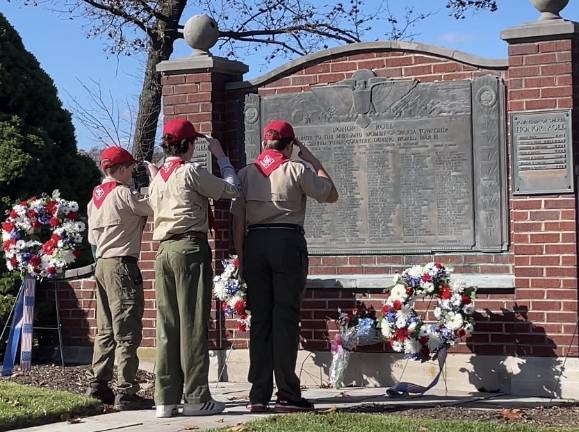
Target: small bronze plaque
{"x": 542, "y": 152}
{"x": 202, "y": 155}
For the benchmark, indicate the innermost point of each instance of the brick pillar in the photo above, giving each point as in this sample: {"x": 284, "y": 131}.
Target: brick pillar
{"x": 543, "y": 75}
{"x": 194, "y": 87}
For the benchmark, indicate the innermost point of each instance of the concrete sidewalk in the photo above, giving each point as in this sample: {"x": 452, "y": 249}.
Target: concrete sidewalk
{"x": 235, "y": 395}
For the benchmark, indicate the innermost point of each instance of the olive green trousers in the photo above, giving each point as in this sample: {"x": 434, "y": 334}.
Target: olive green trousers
{"x": 183, "y": 283}
{"x": 119, "y": 315}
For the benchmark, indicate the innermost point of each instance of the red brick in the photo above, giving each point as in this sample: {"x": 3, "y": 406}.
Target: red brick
{"x": 398, "y": 61}
{"x": 526, "y": 227}
{"x": 528, "y": 249}
{"x": 560, "y": 226}
{"x": 570, "y": 306}
{"x": 524, "y": 71}
{"x": 524, "y": 94}
{"x": 547, "y": 305}
{"x": 546, "y": 260}
{"x": 540, "y": 104}
{"x": 561, "y": 317}
{"x": 540, "y": 59}
{"x": 545, "y": 238}
{"x": 556, "y": 69}
{"x": 331, "y": 77}
{"x": 417, "y": 70}
{"x": 569, "y": 260}
{"x": 561, "y": 271}
{"x": 364, "y": 56}
{"x": 528, "y": 272}
{"x": 516, "y": 105}
{"x": 560, "y": 249}
{"x": 540, "y": 82}
{"x": 554, "y": 92}
{"x": 545, "y": 215}
{"x": 530, "y": 204}
{"x": 531, "y": 293}
{"x": 371, "y": 64}
{"x": 528, "y": 48}
{"x": 569, "y": 283}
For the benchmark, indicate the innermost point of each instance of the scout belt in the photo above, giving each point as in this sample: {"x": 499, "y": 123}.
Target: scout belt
{"x": 124, "y": 259}
{"x": 277, "y": 226}
{"x": 188, "y": 235}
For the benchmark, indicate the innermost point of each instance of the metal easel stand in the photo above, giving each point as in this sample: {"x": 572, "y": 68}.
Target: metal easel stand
{"x": 57, "y": 326}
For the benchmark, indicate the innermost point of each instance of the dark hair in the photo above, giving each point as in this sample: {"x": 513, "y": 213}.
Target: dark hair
{"x": 279, "y": 144}
{"x": 112, "y": 170}
{"x": 175, "y": 148}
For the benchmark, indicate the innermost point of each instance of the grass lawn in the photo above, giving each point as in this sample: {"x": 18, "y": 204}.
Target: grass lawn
{"x": 22, "y": 405}
{"x": 336, "y": 422}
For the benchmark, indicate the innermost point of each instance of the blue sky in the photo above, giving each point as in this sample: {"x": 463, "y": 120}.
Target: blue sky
{"x": 69, "y": 57}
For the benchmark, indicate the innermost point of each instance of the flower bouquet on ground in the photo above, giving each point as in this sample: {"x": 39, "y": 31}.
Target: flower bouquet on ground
{"x": 356, "y": 328}
{"x": 232, "y": 292}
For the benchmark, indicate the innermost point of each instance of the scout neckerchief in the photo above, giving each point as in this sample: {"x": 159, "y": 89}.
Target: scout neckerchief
{"x": 269, "y": 160}
{"x": 100, "y": 192}
{"x": 167, "y": 169}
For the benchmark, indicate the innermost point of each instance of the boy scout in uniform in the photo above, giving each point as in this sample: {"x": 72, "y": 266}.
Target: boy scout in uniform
{"x": 183, "y": 275}
{"x": 116, "y": 217}
{"x": 272, "y": 205}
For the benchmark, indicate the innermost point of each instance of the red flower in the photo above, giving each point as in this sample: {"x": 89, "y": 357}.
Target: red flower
{"x": 35, "y": 224}
{"x": 386, "y": 309}
{"x": 8, "y": 226}
{"x": 224, "y": 306}
{"x": 55, "y": 238}
{"x": 25, "y": 203}
{"x": 48, "y": 247}
{"x": 35, "y": 260}
{"x": 51, "y": 207}
{"x": 240, "y": 307}
{"x": 13, "y": 214}
{"x": 51, "y": 270}
{"x": 423, "y": 340}
{"x": 72, "y": 215}
{"x": 241, "y": 326}
{"x": 401, "y": 334}
{"x": 461, "y": 333}
{"x": 446, "y": 293}
{"x": 54, "y": 222}
{"x": 425, "y": 352}
{"x": 409, "y": 291}
{"x": 31, "y": 213}
{"x": 8, "y": 244}
{"x": 426, "y": 277}
{"x": 235, "y": 263}
{"x": 438, "y": 265}
{"x": 466, "y": 299}
{"x": 397, "y": 305}
{"x": 76, "y": 253}
{"x": 13, "y": 261}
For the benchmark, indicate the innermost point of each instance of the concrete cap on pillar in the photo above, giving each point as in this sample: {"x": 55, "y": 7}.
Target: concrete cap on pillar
{"x": 549, "y": 9}
{"x": 201, "y": 33}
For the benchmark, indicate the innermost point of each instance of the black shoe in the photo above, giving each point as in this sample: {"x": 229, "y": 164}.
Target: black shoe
{"x": 301, "y": 405}
{"x": 102, "y": 392}
{"x": 127, "y": 402}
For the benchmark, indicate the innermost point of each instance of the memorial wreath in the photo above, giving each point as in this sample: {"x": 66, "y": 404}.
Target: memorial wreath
{"x": 231, "y": 290}
{"x": 41, "y": 236}
{"x": 406, "y": 332}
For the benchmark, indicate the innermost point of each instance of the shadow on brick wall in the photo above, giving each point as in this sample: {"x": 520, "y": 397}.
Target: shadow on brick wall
{"x": 513, "y": 372}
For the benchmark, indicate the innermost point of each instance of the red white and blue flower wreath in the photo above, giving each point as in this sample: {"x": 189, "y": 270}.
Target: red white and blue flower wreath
{"x": 406, "y": 332}
{"x": 231, "y": 290}
{"x": 27, "y": 221}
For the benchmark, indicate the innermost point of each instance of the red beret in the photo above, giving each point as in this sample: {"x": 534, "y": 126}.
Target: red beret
{"x": 180, "y": 129}
{"x": 115, "y": 155}
{"x": 278, "y": 129}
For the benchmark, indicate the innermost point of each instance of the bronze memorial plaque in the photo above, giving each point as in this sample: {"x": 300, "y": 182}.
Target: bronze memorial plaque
{"x": 542, "y": 152}
{"x": 419, "y": 167}
{"x": 202, "y": 155}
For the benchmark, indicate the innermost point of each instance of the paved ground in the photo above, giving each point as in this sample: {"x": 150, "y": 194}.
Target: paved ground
{"x": 235, "y": 395}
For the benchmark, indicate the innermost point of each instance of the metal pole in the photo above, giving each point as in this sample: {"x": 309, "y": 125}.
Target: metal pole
{"x": 58, "y": 325}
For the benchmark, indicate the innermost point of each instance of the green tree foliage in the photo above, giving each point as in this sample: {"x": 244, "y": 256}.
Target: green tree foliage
{"x": 38, "y": 150}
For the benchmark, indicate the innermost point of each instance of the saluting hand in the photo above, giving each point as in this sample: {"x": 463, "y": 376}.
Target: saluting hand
{"x": 151, "y": 169}
{"x": 306, "y": 155}
{"x": 215, "y": 147}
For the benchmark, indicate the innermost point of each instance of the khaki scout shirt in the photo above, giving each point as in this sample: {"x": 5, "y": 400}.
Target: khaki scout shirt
{"x": 180, "y": 204}
{"x": 281, "y": 197}
{"x": 117, "y": 227}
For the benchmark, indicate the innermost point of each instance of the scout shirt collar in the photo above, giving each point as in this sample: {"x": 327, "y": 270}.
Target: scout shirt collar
{"x": 171, "y": 164}
{"x": 269, "y": 160}
{"x": 101, "y": 191}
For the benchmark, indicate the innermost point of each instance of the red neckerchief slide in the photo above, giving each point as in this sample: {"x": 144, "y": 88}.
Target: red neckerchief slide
{"x": 169, "y": 167}
{"x": 100, "y": 192}
{"x": 270, "y": 160}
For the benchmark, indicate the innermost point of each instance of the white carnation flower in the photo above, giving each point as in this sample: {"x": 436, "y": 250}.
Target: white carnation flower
{"x": 400, "y": 322}
{"x": 468, "y": 309}
{"x": 398, "y": 293}
{"x": 468, "y": 328}
{"x": 456, "y": 300}
{"x": 397, "y": 346}
{"x": 454, "y": 321}
{"x": 437, "y": 313}
{"x": 411, "y": 346}
{"x": 457, "y": 286}
{"x": 412, "y": 327}
{"x": 73, "y": 206}
{"x": 387, "y": 331}
{"x": 434, "y": 342}
{"x": 79, "y": 226}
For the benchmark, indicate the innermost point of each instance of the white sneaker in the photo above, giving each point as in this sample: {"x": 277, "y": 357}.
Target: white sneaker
{"x": 166, "y": 411}
{"x": 203, "y": 409}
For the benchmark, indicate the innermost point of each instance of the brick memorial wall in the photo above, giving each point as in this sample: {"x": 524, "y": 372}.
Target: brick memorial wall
{"x": 532, "y": 310}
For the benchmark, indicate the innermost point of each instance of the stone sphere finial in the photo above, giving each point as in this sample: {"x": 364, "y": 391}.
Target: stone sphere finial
{"x": 549, "y": 9}
{"x": 201, "y": 33}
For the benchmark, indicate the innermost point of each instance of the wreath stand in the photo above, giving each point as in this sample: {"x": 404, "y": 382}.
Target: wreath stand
{"x": 57, "y": 326}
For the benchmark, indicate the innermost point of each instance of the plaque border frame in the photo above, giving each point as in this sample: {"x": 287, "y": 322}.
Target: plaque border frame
{"x": 516, "y": 189}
